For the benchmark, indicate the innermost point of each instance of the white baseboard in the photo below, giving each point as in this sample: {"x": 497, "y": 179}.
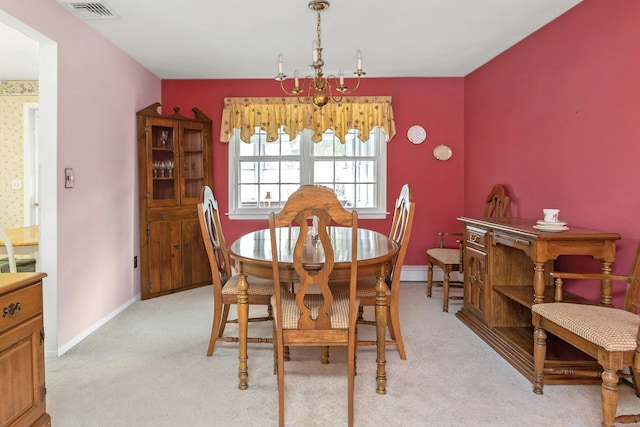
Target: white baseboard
{"x": 70, "y": 344}
{"x": 418, "y": 273}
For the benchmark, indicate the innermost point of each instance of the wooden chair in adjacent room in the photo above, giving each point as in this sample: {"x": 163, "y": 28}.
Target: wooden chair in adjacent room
{"x": 225, "y": 284}
{"x": 449, "y": 256}
{"x": 314, "y": 315}
{"x": 366, "y": 291}
{"x": 610, "y": 335}
{"x": 11, "y": 264}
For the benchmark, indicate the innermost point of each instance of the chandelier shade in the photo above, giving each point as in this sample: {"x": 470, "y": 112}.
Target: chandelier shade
{"x": 318, "y": 87}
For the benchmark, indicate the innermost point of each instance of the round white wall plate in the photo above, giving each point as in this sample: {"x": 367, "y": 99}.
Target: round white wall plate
{"x": 442, "y": 152}
{"x": 416, "y": 134}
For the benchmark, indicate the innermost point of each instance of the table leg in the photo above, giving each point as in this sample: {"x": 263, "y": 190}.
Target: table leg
{"x": 605, "y": 286}
{"x": 243, "y": 321}
{"x": 538, "y": 282}
{"x": 381, "y": 333}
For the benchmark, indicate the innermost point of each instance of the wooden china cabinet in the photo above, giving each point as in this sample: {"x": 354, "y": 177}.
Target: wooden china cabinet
{"x": 174, "y": 163}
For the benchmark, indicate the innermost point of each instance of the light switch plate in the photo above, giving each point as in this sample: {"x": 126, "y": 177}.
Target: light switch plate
{"x": 68, "y": 178}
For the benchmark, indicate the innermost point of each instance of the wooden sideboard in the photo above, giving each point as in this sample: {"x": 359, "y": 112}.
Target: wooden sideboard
{"x": 506, "y": 269}
{"x": 22, "y": 389}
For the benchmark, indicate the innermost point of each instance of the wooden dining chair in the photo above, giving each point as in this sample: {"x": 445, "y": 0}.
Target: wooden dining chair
{"x": 225, "y": 284}
{"x": 449, "y": 256}
{"x": 366, "y": 291}
{"x": 314, "y": 315}
{"x": 610, "y": 335}
{"x": 11, "y": 264}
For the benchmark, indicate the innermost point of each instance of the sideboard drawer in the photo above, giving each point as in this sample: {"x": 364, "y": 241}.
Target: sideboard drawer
{"x": 513, "y": 242}
{"x": 476, "y": 237}
{"x": 20, "y": 305}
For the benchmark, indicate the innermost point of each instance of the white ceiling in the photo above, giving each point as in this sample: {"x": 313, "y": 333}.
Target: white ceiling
{"x": 201, "y": 39}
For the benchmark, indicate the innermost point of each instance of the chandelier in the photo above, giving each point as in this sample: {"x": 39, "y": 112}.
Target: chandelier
{"x": 318, "y": 86}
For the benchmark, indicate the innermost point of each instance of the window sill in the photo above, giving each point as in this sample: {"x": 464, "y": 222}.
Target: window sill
{"x": 265, "y": 216}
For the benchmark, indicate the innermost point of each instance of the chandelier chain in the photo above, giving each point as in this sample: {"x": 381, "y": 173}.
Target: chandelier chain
{"x": 318, "y": 30}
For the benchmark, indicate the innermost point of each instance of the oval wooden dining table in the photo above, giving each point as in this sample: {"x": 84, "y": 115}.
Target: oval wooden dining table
{"x": 252, "y": 256}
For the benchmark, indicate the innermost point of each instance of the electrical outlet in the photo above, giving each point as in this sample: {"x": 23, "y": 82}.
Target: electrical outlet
{"x": 16, "y": 184}
{"x": 135, "y": 262}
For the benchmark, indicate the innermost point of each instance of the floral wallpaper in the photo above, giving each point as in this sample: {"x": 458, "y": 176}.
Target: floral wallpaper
{"x": 13, "y": 95}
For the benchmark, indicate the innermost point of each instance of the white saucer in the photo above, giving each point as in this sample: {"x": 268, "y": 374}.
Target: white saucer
{"x": 552, "y": 229}
{"x": 552, "y": 224}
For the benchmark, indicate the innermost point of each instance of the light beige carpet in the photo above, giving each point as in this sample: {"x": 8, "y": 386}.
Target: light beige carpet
{"x": 147, "y": 367}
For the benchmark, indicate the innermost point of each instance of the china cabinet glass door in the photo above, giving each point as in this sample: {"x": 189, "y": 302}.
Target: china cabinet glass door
{"x": 164, "y": 179}
{"x": 193, "y": 162}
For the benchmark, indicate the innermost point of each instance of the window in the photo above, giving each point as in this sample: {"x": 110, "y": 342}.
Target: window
{"x": 262, "y": 175}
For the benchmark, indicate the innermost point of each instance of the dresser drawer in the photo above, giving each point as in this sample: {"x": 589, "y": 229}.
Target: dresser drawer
{"x": 20, "y": 305}
{"x": 475, "y": 237}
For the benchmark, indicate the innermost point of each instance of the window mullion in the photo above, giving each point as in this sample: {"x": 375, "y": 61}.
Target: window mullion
{"x": 306, "y": 158}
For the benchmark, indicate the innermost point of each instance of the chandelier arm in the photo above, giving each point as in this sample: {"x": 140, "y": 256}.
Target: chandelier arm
{"x": 294, "y": 91}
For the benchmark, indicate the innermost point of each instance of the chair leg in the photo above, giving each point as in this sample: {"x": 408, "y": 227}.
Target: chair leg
{"x": 275, "y": 350}
{"x": 539, "y": 356}
{"x": 280, "y": 387}
{"x": 215, "y": 327}
{"x": 225, "y": 315}
{"x": 351, "y": 383}
{"x": 324, "y": 357}
{"x": 269, "y": 312}
{"x": 609, "y": 397}
{"x": 445, "y": 290}
{"x": 393, "y": 321}
{"x": 635, "y": 372}
{"x": 429, "y": 279}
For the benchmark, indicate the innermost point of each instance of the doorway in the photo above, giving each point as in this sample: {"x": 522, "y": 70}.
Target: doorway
{"x": 47, "y": 144}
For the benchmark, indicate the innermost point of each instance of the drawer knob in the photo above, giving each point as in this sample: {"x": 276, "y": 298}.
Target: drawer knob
{"x": 163, "y": 214}
{"x": 474, "y": 237}
{"x": 11, "y": 310}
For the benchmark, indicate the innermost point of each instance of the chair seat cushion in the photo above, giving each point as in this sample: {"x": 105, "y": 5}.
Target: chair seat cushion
{"x": 257, "y": 286}
{"x": 23, "y": 265}
{"x": 338, "y": 315}
{"x": 444, "y": 255}
{"x": 610, "y": 328}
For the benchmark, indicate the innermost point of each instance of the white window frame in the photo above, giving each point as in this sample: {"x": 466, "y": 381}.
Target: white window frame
{"x": 378, "y": 212}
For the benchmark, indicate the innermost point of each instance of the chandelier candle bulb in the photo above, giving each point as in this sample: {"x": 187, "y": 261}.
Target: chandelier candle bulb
{"x": 341, "y": 77}
{"x": 359, "y": 56}
{"x": 295, "y": 77}
{"x": 280, "y": 64}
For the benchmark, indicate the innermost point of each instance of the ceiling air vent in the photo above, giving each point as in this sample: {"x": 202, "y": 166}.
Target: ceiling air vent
{"x": 96, "y": 9}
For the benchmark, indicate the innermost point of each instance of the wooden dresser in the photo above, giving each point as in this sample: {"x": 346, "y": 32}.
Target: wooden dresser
{"x": 506, "y": 269}
{"x": 22, "y": 385}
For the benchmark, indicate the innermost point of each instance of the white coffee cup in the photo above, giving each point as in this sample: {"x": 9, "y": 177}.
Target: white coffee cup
{"x": 551, "y": 215}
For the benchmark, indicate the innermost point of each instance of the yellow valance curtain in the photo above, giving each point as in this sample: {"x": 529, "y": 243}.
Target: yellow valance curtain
{"x": 358, "y": 112}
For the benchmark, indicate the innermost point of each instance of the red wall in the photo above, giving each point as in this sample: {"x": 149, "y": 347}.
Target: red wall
{"x": 434, "y": 103}
{"x": 557, "y": 119}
